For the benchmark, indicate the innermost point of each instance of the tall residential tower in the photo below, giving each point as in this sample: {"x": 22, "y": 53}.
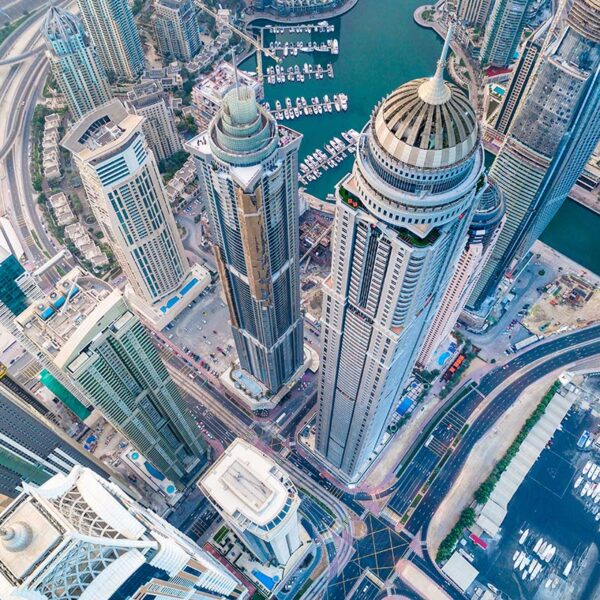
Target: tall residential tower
{"x": 401, "y": 224}
{"x": 90, "y": 334}
{"x": 111, "y": 25}
{"x": 75, "y": 63}
{"x": 126, "y": 194}
{"x": 503, "y": 32}
{"x": 176, "y": 29}
{"x": 554, "y": 132}
{"x": 249, "y": 166}
{"x": 80, "y": 537}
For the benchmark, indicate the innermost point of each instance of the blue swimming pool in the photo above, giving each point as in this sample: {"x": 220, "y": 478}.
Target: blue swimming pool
{"x": 268, "y": 582}
{"x": 443, "y": 358}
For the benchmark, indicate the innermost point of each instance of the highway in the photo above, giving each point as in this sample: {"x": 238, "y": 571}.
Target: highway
{"x": 20, "y": 90}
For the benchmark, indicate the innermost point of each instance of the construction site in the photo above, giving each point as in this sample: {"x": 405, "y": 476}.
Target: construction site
{"x": 568, "y": 302}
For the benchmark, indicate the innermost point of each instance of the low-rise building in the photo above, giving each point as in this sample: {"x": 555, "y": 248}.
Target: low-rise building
{"x": 63, "y": 213}
{"x": 257, "y": 499}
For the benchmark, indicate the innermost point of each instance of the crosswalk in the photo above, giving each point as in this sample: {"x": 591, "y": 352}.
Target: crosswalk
{"x": 436, "y": 446}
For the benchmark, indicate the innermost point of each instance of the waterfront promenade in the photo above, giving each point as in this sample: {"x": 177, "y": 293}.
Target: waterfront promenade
{"x": 295, "y": 19}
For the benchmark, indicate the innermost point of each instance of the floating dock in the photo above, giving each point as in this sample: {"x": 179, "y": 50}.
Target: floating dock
{"x": 320, "y": 27}
{"x": 336, "y": 150}
{"x": 279, "y": 74}
{"x": 292, "y": 48}
{"x": 290, "y": 110}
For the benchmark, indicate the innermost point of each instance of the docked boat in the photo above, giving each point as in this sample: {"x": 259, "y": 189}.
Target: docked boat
{"x": 567, "y": 570}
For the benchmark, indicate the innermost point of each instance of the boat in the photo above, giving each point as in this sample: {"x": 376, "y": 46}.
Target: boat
{"x": 516, "y": 555}
{"x": 547, "y": 583}
{"x": 537, "y": 545}
{"x": 536, "y": 571}
{"x": 583, "y": 439}
{"x": 519, "y": 560}
{"x": 584, "y": 489}
{"x": 344, "y": 101}
{"x": 542, "y": 549}
{"x": 534, "y": 563}
{"x": 277, "y": 105}
{"x": 591, "y": 489}
{"x": 551, "y": 554}
{"x": 594, "y": 472}
{"x": 524, "y": 575}
{"x": 335, "y": 47}
{"x": 568, "y": 569}
{"x": 523, "y": 536}
{"x": 578, "y": 482}
{"x": 525, "y": 563}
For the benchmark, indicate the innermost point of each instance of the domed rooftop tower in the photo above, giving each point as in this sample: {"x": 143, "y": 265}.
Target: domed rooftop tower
{"x": 402, "y": 219}
{"x": 420, "y": 154}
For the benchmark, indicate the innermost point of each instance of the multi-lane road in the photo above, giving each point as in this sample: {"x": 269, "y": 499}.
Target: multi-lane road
{"x": 20, "y": 88}
{"x": 499, "y": 389}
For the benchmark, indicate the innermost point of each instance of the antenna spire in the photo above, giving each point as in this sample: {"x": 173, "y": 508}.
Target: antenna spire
{"x": 435, "y": 90}
{"x": 235, "y": 74}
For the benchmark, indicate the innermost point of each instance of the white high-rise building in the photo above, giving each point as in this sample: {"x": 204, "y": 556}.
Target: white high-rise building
{"x": 257, "y": 499}
{"x": 128, "y": 199}
{"x": 149, "y": 101}
{"x": 79, "y": 537}
{"x": 401, "y": 223}
{"x": 485, "y": 228}
{"x": 75, "y": 63}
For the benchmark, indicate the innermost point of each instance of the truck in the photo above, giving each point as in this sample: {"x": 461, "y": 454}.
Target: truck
{"x": 531, "y": 339}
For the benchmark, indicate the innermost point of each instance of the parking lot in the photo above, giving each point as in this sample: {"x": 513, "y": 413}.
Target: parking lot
{"x": 203, "y": 330}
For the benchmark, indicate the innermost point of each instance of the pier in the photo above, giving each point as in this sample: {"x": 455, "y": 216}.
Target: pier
{"x": 292, "y": 49}
{"x": 279, "y": 74}
{"x": 301, "y": 107}
{"x": 312, "y": 167}
{"x": 321, "y": 27}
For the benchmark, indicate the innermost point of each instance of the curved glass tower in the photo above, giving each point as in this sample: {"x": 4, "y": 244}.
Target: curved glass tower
{"x": 554, "y": 132}
{"x": 249, "y": 167}
{"x": 401, "y": 224}
{"x": 75, "y": 62}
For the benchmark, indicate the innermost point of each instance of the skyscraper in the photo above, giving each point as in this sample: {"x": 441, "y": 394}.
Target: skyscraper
{"x": 483, "y": 233}
{"x": 503, "y": 32}
{"x": 90, "y": 334}
{"x": 249, "y": 167}
{"x": 78, "y": 536}
{"x": 111, "y": 26}
{"x": 176, "y": 29}
{"x": 33, "y": 449}
{"x": 257, "y": 499}
{"x": 555, "y": 131}
{"x": 400, "y": 227}
{"x": 474, "y": 13}
{"x": 126, "y": 194}
{"x": 75, "y": 63}
{"x": 518, "y": 84}
{"x": 149, "y": 101}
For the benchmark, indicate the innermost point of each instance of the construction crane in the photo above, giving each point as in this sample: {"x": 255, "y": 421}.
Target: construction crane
{"x": 260, "y": 50}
